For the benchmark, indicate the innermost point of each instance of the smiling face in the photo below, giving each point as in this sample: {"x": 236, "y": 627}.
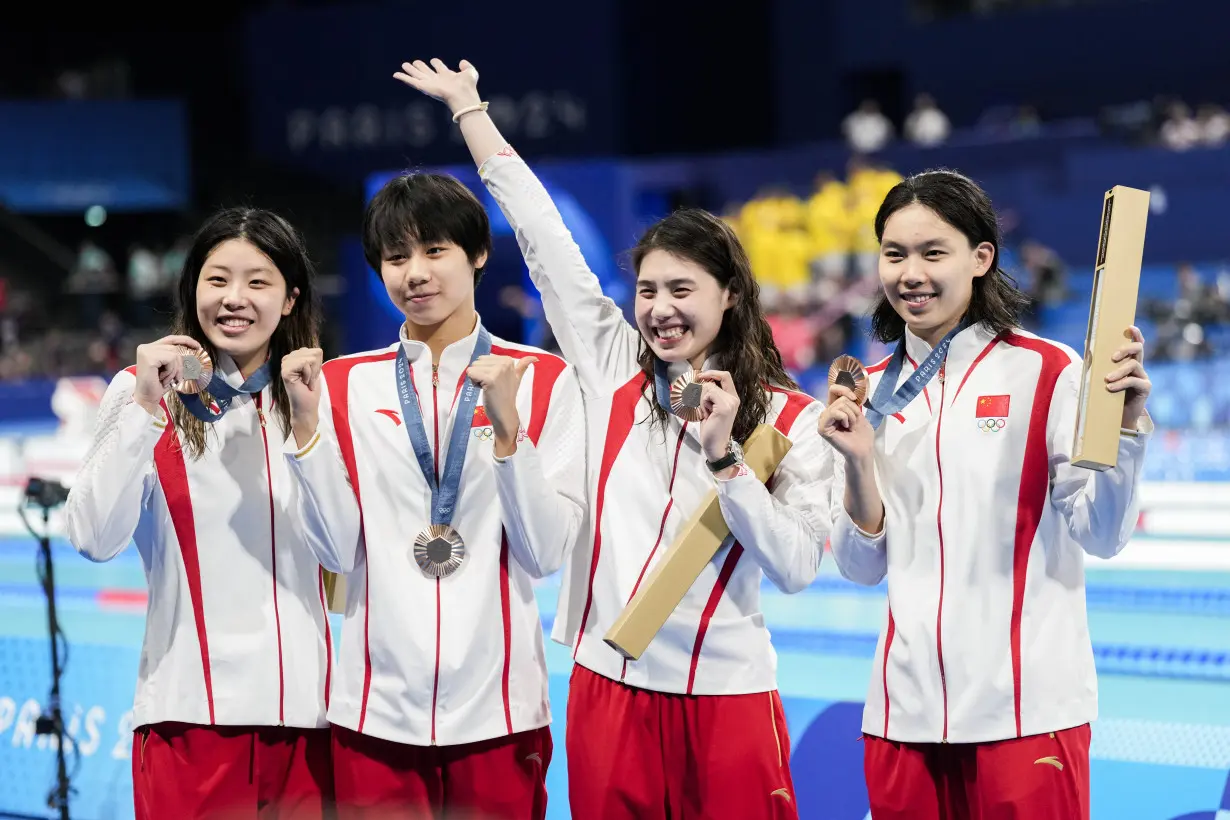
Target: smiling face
{"x": 430, "y": 282}
{"x": 679, "y": 307}
{"x": 927, "y": 269}
{"x": 240, "y": 299}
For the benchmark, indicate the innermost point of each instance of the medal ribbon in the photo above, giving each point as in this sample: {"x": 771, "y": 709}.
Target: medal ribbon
{"x": 224, "y": 394}
{"x": 886, "y": 402}
{"x": 443, "y": 492}
{"x": 662, "y": 385}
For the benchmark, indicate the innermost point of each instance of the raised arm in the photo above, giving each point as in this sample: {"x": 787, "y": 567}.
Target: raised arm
{"x": 1100, "y": 508}
{"x": 590, "y": 328}
{"x": 327, "y": 502}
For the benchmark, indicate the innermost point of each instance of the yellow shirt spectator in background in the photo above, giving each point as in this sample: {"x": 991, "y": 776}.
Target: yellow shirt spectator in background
{"x": 777, "y": 245}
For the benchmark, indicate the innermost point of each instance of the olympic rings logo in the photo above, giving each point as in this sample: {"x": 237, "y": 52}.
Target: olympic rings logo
{"x": 483, "y": 433}
{"x": 992, "y": 425}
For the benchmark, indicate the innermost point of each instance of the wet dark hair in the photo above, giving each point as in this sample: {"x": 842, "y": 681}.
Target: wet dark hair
{"x": 281, "y": 242}
{"x": 744, "y": 346}
{"x": 416, "y": 208}
{"x": 996, "y": 302}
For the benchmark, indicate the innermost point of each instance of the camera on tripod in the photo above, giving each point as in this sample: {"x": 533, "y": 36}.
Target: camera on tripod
{"x": 45, "y": 493}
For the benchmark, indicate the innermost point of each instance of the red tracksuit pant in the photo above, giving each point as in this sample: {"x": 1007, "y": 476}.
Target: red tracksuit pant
{"x": 499, "y": 779}
{"x": 230, "y": 772}
{"x": 634, "y": 754}
{"x": 1029, "y": 778}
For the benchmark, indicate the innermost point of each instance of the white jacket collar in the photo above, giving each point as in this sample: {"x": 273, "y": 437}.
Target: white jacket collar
{"x": 456, "y": 355}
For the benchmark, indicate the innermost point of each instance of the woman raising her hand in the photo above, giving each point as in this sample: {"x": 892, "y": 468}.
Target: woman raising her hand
{"x": 694, "y": 727}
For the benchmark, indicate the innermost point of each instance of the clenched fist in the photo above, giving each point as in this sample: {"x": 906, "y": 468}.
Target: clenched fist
{"x": 500, "y": 378}
{"x": 301, "y": 375}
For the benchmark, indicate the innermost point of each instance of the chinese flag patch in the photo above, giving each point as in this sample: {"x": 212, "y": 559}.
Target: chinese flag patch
{"x": 992, "y": 407}
{"x": 480, "y": 418}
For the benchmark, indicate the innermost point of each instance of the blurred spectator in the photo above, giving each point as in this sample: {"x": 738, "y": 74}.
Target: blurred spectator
{"x": 772, "y": 228}
{"x": 815, "y": 260}
{"x": 173, "y": 260}
{"x": 866, "y": 129}
{"x": 927, "y": 125}
{"x": 72, "y": 84}
{"x": 1181, "y": 323}
{"x": 828, "y": 225}
{"x": 145, "y": 281}
{"x": 104, "y": 350}
{"x": 10, "y": 333}
{"x": 16, "y": 366}
{"x": 1010, "y": 122}
{"x": 831, "y": 342}
{"x": 1198, "y": 300}
{"x": 794, "y": 334}
{"x": 106, "y": 78}
{"x": 1131, "y": 121}
{"x": 92, "y": 281}
{"x": 1045, "y": 274}
{"x": 1214, "y": 125}
{"x": 1180, "y": 132}
{"x": 867, "y": 185}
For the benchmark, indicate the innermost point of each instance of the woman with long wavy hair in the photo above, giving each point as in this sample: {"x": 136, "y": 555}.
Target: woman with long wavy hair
{"x": 230, "y": 704}
{"x": 695, "y": 725}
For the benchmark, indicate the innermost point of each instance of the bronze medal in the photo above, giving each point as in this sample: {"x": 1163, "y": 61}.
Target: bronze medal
{"x": 196, "y": 371}
{"x": 849, "y": 372}
{"x": 685, "y": 397}
{"x": 439, "y": 551}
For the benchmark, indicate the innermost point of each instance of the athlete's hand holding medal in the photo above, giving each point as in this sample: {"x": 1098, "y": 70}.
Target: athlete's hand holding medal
{"x": 708, "y": 397}
{"x": 179, "y": 363}
{"x": 843, "y": 423}
{"x": 172, "y": 362}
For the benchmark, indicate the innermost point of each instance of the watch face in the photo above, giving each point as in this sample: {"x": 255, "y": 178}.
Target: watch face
{"x": 737, "y": 450}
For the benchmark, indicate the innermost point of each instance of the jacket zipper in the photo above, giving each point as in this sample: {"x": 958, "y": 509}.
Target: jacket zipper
{"x": 939, "y": 523}
{"x": 435, "y": 403}
{"x": 273, "y": 552}
{"x": 670, "y": 502}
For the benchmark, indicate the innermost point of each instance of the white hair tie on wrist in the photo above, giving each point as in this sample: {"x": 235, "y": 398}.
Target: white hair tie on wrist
{"x": 482, "y": 106}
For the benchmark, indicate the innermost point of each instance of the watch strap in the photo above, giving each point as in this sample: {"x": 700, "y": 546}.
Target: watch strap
{"x": 728, "y": 460}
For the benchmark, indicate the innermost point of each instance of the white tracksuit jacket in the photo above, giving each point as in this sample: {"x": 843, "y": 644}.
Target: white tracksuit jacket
{"x": 460, "y": 659}
{"x": 644, "y": 483}
{"x": 235, "y": 631}
{"x": 983, "y": 546}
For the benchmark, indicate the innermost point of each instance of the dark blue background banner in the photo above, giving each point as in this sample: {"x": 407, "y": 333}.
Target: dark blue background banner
{"x": 323, "y": 96}
{"x": 62, "y": 157}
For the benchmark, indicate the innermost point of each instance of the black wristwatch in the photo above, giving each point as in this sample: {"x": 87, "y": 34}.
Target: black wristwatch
{"x": 733, "y": 456}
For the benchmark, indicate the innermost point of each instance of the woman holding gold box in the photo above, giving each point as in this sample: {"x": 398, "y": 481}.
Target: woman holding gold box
{"x": 958, "y": 488}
